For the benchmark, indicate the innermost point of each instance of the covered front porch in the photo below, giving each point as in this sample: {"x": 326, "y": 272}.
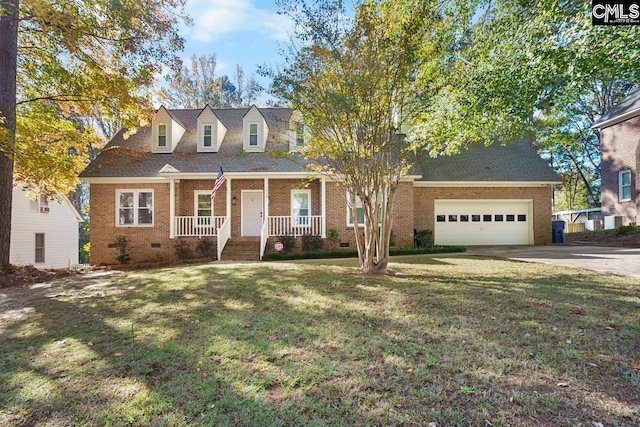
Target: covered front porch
{"x": 293, "y": 205}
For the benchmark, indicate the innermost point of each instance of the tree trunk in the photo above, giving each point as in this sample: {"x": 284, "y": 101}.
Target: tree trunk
{"x": 8, "y": 69}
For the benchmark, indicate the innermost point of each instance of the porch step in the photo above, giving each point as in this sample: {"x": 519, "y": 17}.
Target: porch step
{"x": 241, "y": 249}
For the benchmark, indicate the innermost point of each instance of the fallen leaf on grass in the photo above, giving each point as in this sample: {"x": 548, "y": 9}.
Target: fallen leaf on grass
{"x": 597, "y": 424}
{"x": 609, "y": 328}
{"x": 563, "y": 384}
{"x": 246, "y": 325}
{"x": 578, "y": 310}
{"x": 118, "y": 354}
{"x": 635, "y": 364}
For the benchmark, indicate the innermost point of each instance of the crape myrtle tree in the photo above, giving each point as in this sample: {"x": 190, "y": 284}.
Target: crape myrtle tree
{"x": 354, "y": 79}
{"x": 64, "y": 61}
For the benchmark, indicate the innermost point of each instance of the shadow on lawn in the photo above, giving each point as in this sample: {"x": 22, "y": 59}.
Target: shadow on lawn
{"x": 330, "y": 348}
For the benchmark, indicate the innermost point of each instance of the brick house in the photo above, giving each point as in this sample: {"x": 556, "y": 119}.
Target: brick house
{"x": 154, "y": 188}
{"x": 620, "y": 149}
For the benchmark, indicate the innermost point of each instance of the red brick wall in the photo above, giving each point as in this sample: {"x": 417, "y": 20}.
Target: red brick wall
{"x": 104, "y": 231}
{"x": 424, "y": 204}
{"x": 620, "y": 146}
{"x": 403, "y": 214}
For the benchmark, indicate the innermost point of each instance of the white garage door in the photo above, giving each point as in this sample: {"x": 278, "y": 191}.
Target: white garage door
{"x": 483, "y": 222}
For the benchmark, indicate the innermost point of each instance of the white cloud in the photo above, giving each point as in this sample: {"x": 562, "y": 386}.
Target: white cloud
{"x": 213, "y": 19}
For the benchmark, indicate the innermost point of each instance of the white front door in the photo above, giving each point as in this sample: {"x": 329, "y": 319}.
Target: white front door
{"x": 251, "y": 212}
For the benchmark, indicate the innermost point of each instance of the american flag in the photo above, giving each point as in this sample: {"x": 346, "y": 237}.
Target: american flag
{"x": 219, "y": 181}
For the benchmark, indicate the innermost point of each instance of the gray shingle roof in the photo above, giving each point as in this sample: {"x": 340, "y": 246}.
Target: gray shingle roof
{"x": 516, "y": 162}
{"x": 629, "y": 104}
{"x": 132, "y": 157}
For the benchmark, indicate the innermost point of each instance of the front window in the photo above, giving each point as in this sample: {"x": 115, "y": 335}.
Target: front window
{"x": 162, "y": 135}
{"x": 135, "y": 208}
{"x": 253, "y": 134}
{"x": 624, "y": 192}
{"x": 300, "y": 134}
{"x": 300, "y": 207}
{"x": 206, "y": 132}
{"x": 203, "y": 207}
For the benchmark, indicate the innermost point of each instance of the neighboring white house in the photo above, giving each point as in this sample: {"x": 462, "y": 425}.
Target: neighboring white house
{"x": 44, "y": 233}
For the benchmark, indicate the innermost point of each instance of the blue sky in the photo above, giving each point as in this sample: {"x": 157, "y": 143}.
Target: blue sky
{"x": 245, "y": 32}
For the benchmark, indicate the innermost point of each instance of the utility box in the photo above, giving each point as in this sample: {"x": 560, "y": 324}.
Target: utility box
{"x": 593, "y": 224}
{"x": 612, "y": 221}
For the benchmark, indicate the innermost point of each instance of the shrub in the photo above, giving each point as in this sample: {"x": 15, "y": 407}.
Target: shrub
{"x": 84, "y": 255}
{"x": 422, "y": 238}
{"x": 204, "y": 247}
{"x": 122, "y": 250}
{"x": 183, "y": 250}
{"x": 311, "y": 242}
{"x": 333, "y": 237}
{"x": 288, "y": 243}
{"x": 623, "y": 230}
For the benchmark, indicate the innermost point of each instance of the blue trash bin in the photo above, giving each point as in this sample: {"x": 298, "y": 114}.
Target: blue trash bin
{"x": 557, "y": 235}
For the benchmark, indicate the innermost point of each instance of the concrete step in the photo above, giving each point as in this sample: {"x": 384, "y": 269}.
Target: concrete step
{"x": 241, "y": 249}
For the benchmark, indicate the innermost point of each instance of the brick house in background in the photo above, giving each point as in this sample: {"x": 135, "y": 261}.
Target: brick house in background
{"x": 620, "y": 164}
{"x": 154, "y": 188}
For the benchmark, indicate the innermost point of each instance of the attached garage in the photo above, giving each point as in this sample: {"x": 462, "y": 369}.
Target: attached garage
{"x": 483, "y": 222}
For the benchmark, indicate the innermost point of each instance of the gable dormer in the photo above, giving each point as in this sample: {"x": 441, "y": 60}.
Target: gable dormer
{"x": 254, "y": 131}
{"x": 165, "y": 132}
{"x": 210, "y": 132}
{"x": 298, "y": 133}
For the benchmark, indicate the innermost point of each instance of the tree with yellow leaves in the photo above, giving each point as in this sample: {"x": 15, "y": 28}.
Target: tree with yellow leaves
{"x": 61, "y": 61}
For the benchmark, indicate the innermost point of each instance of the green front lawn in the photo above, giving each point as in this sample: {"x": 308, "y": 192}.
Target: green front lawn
{"x": 450, "y": 340}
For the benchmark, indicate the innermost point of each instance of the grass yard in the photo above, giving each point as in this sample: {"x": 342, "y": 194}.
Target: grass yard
{"x": 450, "y": 340}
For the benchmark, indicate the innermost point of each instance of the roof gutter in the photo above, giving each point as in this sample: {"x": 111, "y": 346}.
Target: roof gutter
{"x": 617, "y": 119}
{"x": 485, "y": 183}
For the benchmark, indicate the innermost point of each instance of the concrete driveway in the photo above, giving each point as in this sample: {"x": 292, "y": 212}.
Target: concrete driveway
{"x": 622, "y": 261}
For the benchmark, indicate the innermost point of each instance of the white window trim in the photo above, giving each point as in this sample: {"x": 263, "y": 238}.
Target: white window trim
{"x": 620, "y": 187}
{"x": 197, "y": 193}
{"x": 349, "y": 222}
{"x": 166, "y": 137}
{"x": 294, "y": 217}
{"x": 135, "y": 207}
{"x": 213, "y": 142}
{"x": 35, "y": 248}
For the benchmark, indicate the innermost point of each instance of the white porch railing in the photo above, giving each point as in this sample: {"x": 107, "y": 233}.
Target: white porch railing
{"x": 224, "y": 232}
{"x": 264, "y": 235}
{"x": 295, "y": 226}
{"x": 197, "y": 226}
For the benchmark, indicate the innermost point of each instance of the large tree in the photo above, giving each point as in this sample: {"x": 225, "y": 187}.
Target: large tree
{"x": 196, "y": 84}
{"x": 353, "y": 78}
{"x": 64, "y": 60}
{"x": 536, "y": 70}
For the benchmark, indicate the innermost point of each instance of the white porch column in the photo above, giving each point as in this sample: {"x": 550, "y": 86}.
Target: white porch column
{"x": 172, "y": 208}
{"x": 228, "y": 183}
{"x": 265, "y": 209}
{"x": 323, "y": 190}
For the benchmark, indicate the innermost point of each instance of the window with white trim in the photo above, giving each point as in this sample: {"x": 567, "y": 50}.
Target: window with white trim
{"x": 206, "y": 135}
{"x": 39, "y": 248}
{"x": 300, "y": 208}
{"x": 359, "y": 211}
{"x": 253, "y": 134}
{"x": 134, "y": 208}
{"x": 203, "y": 207}
{"x": 43, "y": 203}
{"x": 300, "y": 134}
{"x": 162, "y": 136}
{"x": 624, "y": 186}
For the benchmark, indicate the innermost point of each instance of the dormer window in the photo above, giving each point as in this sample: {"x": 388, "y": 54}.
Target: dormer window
{"x": 162, "y": 136}
{"x": 206, "y": 136}
{"x": 300, "y": 134}
{"x": 253, "y": 134}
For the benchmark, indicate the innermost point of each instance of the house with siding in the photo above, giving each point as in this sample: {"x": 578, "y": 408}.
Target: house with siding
{"x": 154, "y": 188}
{"x": 620, "y": 150}
{"x": 44, "y": 232}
